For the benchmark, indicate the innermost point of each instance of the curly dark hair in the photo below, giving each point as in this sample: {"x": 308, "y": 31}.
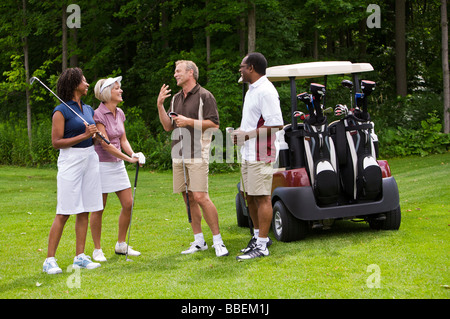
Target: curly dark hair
{"x": 68, "y": 82}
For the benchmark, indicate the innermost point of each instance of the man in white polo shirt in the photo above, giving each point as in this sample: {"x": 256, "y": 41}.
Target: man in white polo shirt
{"x": 261, "y": 119}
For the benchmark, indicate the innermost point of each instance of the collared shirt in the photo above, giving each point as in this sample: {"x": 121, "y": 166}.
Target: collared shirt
{"x": 73, "y": 125}
{"x": 199, "y": 104}
{"x": 114, "y": 129}
{"x": 261, "y": 107}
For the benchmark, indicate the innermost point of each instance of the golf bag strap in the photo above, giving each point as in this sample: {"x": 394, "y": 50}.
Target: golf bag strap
{"x": 316, "y": 134}
{"x": 359, "y": 127}
{"x": 296, "y": 133}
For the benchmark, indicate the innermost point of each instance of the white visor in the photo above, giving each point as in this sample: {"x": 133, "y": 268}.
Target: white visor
{"x": 110, "y": 81}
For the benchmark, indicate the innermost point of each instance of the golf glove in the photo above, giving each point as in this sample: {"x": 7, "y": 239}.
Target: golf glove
{"x": 140, "y": 156}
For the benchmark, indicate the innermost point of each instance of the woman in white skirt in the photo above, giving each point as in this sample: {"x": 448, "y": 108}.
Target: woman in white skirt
{"x": 78, "y": 179}
{"x": 114, "y": 177}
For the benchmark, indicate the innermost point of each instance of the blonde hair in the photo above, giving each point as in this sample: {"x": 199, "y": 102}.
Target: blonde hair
{"x": 105, "y": 95}
{"x": 190, "y": 65}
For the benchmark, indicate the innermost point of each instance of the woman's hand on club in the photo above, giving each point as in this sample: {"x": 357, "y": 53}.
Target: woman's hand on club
{"x": 139, "y": 158}
{"x": 91, "y": 130}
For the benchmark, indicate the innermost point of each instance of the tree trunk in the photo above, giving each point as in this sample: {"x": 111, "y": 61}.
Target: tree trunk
{"x": 241, "y": 33}
{"x": 445, "y": 68}
{"x": 400, "y": 48}
{"x": 64, "y": 38}
{"x": 251, "y": 27}
{"x": 74, "y": 44}
{"x": 27, "y": 71}
{"x": 164, "y": 25}
{"x": 316, "y": 40}
{"x": 316, "y": 45}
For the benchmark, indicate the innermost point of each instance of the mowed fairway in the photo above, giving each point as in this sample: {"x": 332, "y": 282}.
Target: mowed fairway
{"x": 348, "y": 261}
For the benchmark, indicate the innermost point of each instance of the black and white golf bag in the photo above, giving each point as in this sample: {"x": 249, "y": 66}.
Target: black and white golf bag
{"x": 320, "y": 154}
{"x": 360, "y": 174}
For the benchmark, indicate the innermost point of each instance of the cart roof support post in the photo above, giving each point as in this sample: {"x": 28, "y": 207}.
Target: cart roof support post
{"x": 293, "y": 102}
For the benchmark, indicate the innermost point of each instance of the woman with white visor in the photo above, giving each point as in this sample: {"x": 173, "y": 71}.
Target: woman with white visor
{"x": 114, "y": 177}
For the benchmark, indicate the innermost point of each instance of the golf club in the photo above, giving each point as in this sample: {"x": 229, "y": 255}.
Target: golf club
{"x": 318, "y": 93}
{"x": 341, "y": 110}
{"x": 299, "y": 114}
{"x": 349, "y": 85}
{"x": 188, "y": 206}
{"x": 328, "y": 110}
{"x": 84, "y": 121}
{"x": 131, "y": 214}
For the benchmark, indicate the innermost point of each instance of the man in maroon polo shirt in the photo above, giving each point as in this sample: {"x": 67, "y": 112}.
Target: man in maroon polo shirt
{"x": 196, "y": 117}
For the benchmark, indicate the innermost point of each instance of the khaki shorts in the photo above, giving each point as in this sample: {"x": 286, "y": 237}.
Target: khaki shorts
{"x": 257, "y": 178}
{"x": 196, "y": 176}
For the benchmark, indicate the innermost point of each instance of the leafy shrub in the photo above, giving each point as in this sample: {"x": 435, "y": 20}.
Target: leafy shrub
{"x": 428, "y": 139}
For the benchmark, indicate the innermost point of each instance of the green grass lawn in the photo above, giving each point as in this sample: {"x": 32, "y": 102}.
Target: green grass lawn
{"x": 344, "y": 262}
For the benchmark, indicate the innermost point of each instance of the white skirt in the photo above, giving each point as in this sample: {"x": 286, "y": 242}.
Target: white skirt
{"x": 78, "y": 180}
{"x": 114, "y": 177}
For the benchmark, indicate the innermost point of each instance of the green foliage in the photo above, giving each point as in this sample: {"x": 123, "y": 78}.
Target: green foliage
{"x": 14, "y": 147}
{"x": 141, "y": 40}
{"x": 428, "y": 139}
{"x": 42, "y": 151}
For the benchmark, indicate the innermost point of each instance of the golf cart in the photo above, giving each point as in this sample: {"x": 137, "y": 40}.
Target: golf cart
{"x": 326, "y": 172}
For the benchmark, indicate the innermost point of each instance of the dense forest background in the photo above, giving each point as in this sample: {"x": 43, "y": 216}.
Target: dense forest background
{"x": 141, "y": 40}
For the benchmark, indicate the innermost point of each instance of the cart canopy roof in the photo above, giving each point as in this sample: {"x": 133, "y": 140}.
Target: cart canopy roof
{"x": 315, "y": 69}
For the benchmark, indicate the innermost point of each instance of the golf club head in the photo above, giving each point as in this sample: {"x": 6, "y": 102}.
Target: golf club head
{"x": 341, "y": 110}
{"x": 304, "y": 97}
{"x": 32, "y": 79}
{"x": 328, "y": 110}
{"x": 317, "y": 90}
{"x": 367, "y": 87}
{"x": 347, "y": 83}
{"x": 299, "y": 114}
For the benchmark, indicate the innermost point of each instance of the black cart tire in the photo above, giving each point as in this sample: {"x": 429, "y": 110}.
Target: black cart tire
{"x": 392, "y": 221}
{"x": 242, "y": 220}
{"x": 286, "y": 227}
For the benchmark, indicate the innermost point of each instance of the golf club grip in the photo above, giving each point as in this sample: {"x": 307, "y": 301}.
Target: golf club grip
{"x": 188, "y": 206}
{"x": 137, "y": 172}
{"x": 104, "y": 139}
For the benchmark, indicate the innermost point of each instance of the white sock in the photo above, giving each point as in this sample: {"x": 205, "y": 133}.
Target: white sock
{"x": 198, "y": 238}
{"x": 255, "y": 233}
{"x": 217, "y": 239}
{"x": 262, "y": 242}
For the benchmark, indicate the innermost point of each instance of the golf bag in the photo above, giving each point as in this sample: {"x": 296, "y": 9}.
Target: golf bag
{"x": 320, "y": 154}
{"x": 356, "y": 148}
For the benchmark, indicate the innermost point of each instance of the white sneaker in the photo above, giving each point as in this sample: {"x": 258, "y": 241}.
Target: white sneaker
{"x": 51, "y": 267}
{"x": 83, "y": 261}
{"x": 98, "y": 255}
{"x": 221, "y": 250}
{"x": 195, "y": 247}
{"x": 121, "y": 249}
{"x": 256, "y": 252}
